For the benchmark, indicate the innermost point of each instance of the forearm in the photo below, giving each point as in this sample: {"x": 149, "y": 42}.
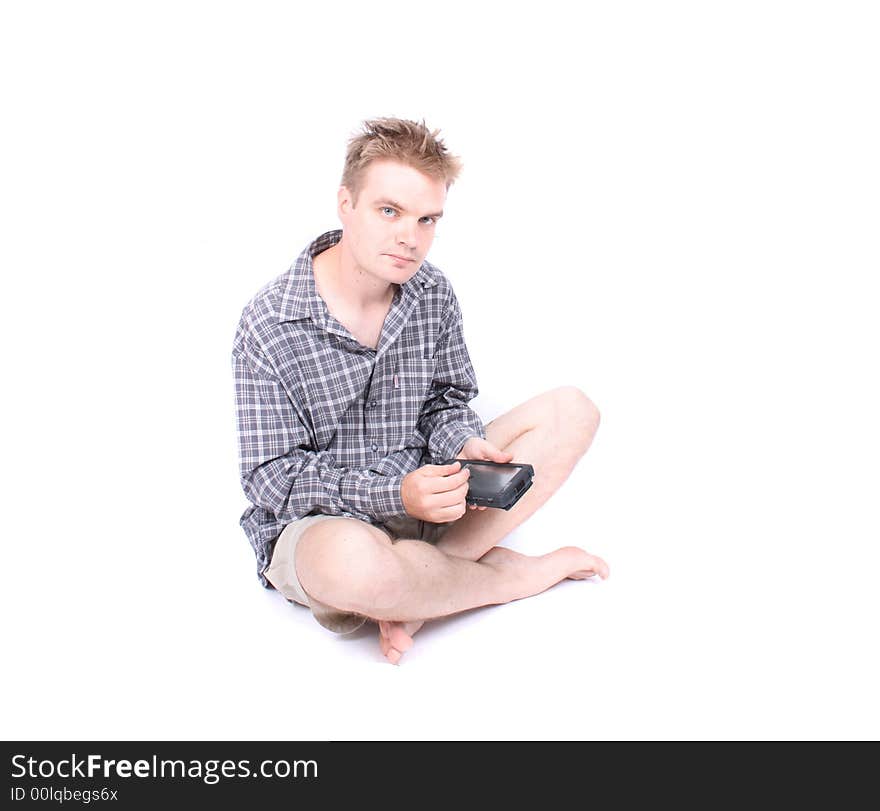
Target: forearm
{"x": 302, "y": 482}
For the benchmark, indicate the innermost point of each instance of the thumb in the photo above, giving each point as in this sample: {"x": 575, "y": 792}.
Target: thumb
{"x": 501, "y": 456}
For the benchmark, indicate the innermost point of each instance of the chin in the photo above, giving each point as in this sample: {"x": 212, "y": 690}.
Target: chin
{"x": 401, "y": 277}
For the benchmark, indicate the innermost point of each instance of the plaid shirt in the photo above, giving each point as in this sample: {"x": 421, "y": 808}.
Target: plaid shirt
{"x": 328, "y": 425}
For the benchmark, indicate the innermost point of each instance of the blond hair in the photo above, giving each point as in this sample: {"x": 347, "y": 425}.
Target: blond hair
{"x": 408, "y": 142}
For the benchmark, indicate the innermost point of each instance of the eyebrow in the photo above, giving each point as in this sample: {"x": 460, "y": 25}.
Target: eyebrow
{"x": 395, "y": 204}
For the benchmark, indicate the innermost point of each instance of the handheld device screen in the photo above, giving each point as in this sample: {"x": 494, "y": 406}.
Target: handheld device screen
{"x": 491, "y": 478}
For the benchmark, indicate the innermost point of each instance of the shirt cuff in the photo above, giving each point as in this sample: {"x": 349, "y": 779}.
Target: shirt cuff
{"x": 385, "y": 499}
{"x": 448, "y": 440}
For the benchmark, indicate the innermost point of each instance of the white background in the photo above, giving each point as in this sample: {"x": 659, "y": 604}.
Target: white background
{"x": 677, "y": 205}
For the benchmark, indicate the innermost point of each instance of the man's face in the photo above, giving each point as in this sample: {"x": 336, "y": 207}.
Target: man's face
{"x": 390, "y": 230}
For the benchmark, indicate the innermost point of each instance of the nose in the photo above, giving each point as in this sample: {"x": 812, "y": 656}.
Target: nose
{"x": 406, "y": 234}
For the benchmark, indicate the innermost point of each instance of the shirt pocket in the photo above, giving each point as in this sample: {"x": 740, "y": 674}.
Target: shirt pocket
{"x": 409, "y": 387}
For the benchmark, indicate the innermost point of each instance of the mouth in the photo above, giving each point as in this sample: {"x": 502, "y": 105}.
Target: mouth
{"x": 400, "y": 258}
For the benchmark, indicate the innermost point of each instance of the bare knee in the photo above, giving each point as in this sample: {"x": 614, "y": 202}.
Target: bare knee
{"x": 348, "y": 565}
{"x": 576, "y": 414}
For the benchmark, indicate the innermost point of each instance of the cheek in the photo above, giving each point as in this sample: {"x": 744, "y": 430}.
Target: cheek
{"x": 368, "y": 242}
{"x": 373, "y": 244}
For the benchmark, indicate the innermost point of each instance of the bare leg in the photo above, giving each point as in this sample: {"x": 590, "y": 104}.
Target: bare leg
{"x": 500, "y": 576}
{"x": 437, "y": 585}
{"x": 353, "y": 567}
{"x": 552, "y": 432}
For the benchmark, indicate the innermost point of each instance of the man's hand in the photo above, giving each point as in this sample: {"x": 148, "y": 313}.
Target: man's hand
{"x": 436, "y": 493}
{"x": 479, "y": 448}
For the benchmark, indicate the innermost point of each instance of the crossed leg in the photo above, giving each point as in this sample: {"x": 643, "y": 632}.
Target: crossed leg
{"x": 552, "y": 431}
{"x": 354, "y": 567}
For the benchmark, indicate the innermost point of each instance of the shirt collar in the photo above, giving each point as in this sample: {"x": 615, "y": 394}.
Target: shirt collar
{"x": 300, "y": 298}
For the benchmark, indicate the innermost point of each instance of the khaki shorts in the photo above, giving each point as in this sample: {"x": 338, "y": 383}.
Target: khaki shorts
{"x": 281, "y": 572}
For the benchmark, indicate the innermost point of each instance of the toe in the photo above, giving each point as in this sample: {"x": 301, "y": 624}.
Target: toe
{"x": 394, "y": 641}
{"x": 598, "y": 566}
{"x": 399, "y": 638}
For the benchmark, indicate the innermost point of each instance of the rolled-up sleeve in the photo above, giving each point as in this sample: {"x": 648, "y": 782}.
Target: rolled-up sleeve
{"x": 278, "y": 470}
{"x": 446, "y": 418}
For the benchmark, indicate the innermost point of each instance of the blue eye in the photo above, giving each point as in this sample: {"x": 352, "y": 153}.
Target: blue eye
{"x": 426, "y": 220}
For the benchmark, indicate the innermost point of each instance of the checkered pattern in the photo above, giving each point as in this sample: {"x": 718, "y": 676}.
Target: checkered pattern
{"x": 327, "y": 425}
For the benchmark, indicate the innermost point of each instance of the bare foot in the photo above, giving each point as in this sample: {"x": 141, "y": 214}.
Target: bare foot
{"x": 594, "y": 564}
{"x": 395, "y": 638}
{"x": 535, "y": 574}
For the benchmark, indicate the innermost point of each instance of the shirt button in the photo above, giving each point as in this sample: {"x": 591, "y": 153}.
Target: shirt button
{"x": 373, "y": 404}
{"x": 374, "y": 446}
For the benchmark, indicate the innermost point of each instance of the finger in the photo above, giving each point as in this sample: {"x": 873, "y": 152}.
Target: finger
{"x": 445, "y": 515}
{"x": 444, "y": 470}
{"x": 492, "y": 454}
{"x": 453, "y": 498}
{"x": 445, "y": 484}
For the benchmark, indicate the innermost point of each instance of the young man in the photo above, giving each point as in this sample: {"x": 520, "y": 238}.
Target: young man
{"x": 352, "y": 382}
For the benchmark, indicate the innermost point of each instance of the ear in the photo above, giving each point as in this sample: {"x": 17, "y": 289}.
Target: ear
{"x": 344, "y": 203}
